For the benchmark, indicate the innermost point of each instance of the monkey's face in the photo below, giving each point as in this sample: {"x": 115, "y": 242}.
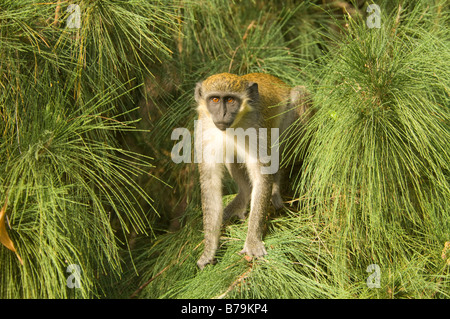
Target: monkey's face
{"x": 223, "y": 108}
{"x": 226, "y": 98}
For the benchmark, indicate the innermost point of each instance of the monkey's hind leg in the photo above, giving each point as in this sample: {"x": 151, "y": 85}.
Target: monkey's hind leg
{"x": 277, "y": 200}
{"x": 238, "y": 206}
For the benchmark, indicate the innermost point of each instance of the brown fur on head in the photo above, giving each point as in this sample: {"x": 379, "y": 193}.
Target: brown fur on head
{"x": 225, "y": 82}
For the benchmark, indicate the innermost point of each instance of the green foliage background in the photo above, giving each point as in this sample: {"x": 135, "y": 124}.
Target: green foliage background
{"x": 86, "y": 174}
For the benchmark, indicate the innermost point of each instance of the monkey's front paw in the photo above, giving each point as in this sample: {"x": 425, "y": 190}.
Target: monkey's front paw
{"x": 205, "y": 260}
{"x": 254, "y": 249}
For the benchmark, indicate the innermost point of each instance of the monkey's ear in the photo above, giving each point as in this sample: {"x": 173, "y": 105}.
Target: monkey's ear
{"x": 198, "y": 91}
{"x": 252, "y": 91}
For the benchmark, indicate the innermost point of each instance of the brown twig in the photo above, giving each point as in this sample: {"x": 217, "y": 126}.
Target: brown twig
{"x": 57, "y": 13}
{"x": 241, "y": 277}
{"x": 148, "y": 282}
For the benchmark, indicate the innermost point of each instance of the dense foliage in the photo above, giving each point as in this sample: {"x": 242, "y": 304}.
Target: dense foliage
{"x": 91, "y": 91}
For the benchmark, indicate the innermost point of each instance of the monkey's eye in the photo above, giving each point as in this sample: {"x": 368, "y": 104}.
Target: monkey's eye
{"x": 230, "y": 100}
{"x": 215, "y": 99}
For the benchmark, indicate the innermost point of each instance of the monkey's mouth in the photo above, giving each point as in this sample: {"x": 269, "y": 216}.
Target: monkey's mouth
{"x": 222, "y": 125}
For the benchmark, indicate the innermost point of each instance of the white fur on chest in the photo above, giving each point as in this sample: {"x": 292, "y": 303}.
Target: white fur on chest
{"x": 236, "y": 145}
{"x": 214, "y": 146}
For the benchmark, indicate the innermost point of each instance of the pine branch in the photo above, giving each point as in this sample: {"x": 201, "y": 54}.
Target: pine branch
{"x": 233, "y": 284}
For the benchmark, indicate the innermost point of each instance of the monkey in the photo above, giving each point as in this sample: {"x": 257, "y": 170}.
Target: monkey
{"x": 250, "y": 102}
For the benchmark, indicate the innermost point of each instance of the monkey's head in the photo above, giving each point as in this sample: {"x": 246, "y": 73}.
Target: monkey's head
{"x": 224, "y": 96}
